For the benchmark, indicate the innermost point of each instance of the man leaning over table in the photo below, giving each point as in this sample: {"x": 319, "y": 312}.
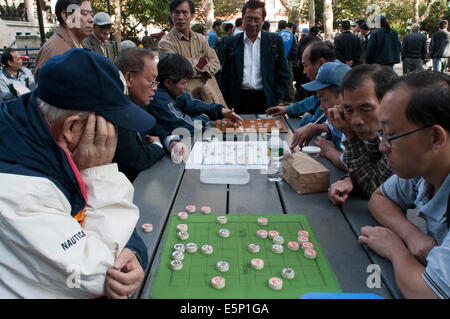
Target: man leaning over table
{"x": 363, "y": 88}
{"x": 314, "y": 56}
{"x": 66, "y": 212}
{"x": 416, "y": 143}
{"x": 139, "y": 150}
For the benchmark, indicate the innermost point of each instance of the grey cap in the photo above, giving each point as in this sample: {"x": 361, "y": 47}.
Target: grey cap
{"x": 102, "y": 18}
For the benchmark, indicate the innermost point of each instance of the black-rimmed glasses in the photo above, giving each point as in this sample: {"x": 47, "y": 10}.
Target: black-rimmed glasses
{"x": 387, "y": 141}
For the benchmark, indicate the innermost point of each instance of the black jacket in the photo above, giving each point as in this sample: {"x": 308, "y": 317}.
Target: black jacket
{"x": 133, "y": 155}
{"x": 414, "y": 46}
{"x": 440, "y": 44}
{"x": 274, "y": 70}
{"x": 383, "y": 47}
{"x": 348, "y": 47}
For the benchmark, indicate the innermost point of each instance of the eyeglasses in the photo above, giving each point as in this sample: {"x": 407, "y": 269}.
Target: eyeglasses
{"x": 387, "y": 141}
{"x": 154, "y": 83}
{"x": 252, "y": 19}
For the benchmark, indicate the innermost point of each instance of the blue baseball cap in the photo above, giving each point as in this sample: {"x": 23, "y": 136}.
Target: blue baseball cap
{"x": 330, "y": 73}
{"x": 84, "y": 80}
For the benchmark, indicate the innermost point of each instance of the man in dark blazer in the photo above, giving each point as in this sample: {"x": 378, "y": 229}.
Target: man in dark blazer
{"x": 98, "y": 40}
{"x": 254, "y": 66}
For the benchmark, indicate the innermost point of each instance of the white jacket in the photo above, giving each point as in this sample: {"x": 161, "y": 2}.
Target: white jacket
{"x": 45, "y": 252}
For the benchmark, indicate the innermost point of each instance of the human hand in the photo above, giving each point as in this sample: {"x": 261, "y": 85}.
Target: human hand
{"x": 124, "y": 278}
{"x": 276, "y": 110}
{"x": 381, "y": 240}
{"x": 337, "y": 119}
{"x": 324, "y": 144}
{"x": 305, "y": 114}
{"x": 202, "y": 62}
{"x": 230, "y": 114}
{"x": 152, "y": 139}
{"x": 97, "y": 144}
{"x": 303, "y": 135}
{"x": 340, "y": 190}
{"x": 420, "y": 244}
{"x": 178, "y": 151}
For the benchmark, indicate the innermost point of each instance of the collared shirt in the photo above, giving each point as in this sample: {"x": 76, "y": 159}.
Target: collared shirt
{"x": 432, "y": 208}
{"x": 102, "y": 44}
{"x": 252, "y": 78}
{"x": 366, "y": 165}
{"x": 9, "y": 83}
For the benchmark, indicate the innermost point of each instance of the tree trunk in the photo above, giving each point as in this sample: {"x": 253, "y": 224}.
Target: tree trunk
{"x": 312, "y": 14}
{"x": 416, "y": 11}
{"x": 293, "y": 12}
{"x": 427, "y": 11}
{"x": 208, "y": 6}
{"x": 328, "y": 19}
{"x": 117, "y": 23}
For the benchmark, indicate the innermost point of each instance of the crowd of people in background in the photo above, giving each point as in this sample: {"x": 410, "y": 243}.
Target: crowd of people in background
{"x": 97, "y": 120}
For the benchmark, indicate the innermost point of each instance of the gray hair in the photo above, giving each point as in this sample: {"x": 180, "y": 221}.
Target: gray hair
{"x": 415, "y": 27}
{"x": 52, "y": 114}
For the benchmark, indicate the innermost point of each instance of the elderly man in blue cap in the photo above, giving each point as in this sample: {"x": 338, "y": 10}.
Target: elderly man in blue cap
{"x": 67, "y": 213}
{"x": 326, "y": 86}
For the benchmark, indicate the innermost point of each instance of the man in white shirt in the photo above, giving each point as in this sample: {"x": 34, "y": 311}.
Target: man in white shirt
{"x": 246, "y": 85}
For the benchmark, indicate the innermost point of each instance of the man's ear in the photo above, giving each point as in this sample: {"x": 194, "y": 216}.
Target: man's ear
{"x": 71, "y": 128}
{"x": 128, "y": 78}
{"x": 167, "y": 82}
{"x": 440, "y": 137}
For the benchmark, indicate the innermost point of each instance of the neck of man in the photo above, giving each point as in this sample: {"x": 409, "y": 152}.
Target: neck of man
{"x": 252, "y": 37}
{"x": 186, "y": 33}
{"x": 75, "y": 37}
{"x": 438, "y": 171}
{"x": 12, "y": 71}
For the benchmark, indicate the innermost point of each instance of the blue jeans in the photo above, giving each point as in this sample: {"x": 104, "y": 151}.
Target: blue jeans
{"x": 440, "y": 64}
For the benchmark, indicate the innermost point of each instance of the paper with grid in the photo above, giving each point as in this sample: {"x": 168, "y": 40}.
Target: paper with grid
{"x": 242, "y": 281}
{"x": 229, "y": 154}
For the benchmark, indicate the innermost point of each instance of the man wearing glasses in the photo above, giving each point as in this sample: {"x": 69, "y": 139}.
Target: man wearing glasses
{"x": 137, "y": 151}
{"x": 415, "y": 119}
{"x": 194, "y": 47}
{"x": 363, "y": 88}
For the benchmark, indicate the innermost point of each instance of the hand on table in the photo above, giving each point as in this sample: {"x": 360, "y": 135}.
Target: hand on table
{"x": 97, "y": 144}
{"x": 152, "y": 139}
{"x": 381, "y": 240}
{"x": 178, "y": 152}
{"x": 124, "y": 278}
{"x": 337, "y": 118}
{"x": 276, "y": 110}
{"x": 303, "y": 135}
{"x": 230, "y": 114}
{"x": 325, "y": 145}
{"x": 340, "y": 190}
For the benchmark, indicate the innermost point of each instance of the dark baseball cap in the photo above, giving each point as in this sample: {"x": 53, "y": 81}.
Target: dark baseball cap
{"x": 84, "y": 80}
{"x": 330, "y": 73}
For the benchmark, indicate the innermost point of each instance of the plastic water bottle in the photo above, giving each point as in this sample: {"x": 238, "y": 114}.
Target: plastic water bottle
{"x": 275, "y": 152}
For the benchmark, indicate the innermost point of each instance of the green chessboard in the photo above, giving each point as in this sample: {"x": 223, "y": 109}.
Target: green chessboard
{"x": 193, "y": 281}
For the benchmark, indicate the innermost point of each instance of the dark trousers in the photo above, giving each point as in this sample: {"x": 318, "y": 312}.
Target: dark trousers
{"x": 252, "y": 102}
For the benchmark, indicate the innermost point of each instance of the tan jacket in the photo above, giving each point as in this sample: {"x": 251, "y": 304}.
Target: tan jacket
{"x": 60, "y": 42}
{"x": 93, "y": 43}
{"x": 203, "y": 85}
